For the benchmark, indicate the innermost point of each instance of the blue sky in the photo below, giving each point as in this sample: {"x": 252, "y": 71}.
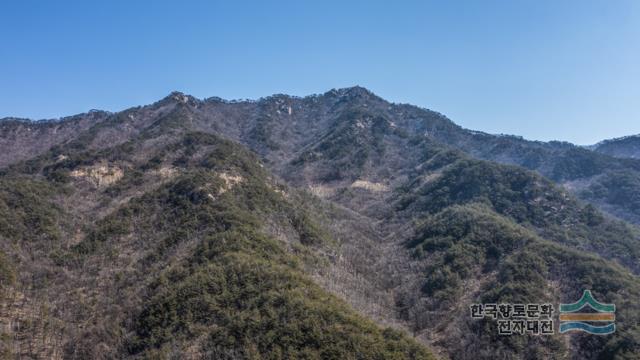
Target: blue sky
{"x": 566, "y": 70}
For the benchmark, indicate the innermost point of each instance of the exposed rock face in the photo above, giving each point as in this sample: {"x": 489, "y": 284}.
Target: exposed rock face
{"x": 371, "y": 186}
{"x": 99, "y": 175}
{"x": 229, "y": 181}
{"x": 322, "y": 190}
{"x": 167, "y": 172}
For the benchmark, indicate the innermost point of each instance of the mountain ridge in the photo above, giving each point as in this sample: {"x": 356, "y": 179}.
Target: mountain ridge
{"x": 374, "y": 210}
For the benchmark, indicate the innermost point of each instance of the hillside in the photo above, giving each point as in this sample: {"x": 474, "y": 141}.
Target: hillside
{"x": 186, "y": 248}
{"x": 334, "y": 226}
{"x": 624, "y": 147}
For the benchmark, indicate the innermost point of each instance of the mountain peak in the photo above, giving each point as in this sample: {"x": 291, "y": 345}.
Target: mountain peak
{"x": 179, "y": 97}
{"x": 356, "y": 91}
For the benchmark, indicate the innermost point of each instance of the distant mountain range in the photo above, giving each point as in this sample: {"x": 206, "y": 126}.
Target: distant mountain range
{"x": 334, "y": 226}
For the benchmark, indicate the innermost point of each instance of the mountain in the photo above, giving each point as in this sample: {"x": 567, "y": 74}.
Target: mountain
{"x": 280, "y": 127}
{"x": 184, "y": 248}
{"x": 23, "y": 139}
{"x": 624, "y": 147}
{"x": 331, "y": 226}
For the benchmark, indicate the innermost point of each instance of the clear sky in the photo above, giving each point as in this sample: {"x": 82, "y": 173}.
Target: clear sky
{"x": 543, "y": 69}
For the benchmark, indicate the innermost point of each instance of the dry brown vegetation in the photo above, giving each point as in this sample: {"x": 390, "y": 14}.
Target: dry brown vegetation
{"x": 281, "y": 228}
